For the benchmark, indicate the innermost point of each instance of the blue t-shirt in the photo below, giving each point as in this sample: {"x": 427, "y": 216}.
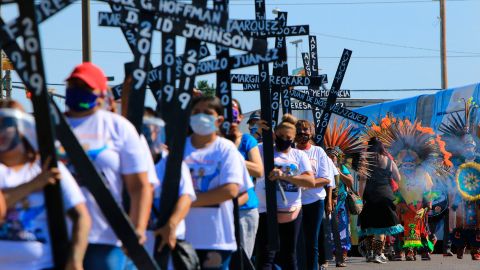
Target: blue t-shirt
{"x": 247, "y": 143}
{"x": 342, "y": 189}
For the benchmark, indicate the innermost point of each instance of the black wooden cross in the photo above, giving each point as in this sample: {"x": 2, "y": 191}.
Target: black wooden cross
{"x": 201, "y": 27}
{"x": 85, "y": 169}
{"x": 44, "y": 118}
{"x": 209, "y": 66}
{"x": 278, "y": 68}
{"x": 266, "y": 114}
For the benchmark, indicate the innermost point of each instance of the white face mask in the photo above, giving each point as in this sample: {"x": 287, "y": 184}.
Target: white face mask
{"x": 203, "y": 124}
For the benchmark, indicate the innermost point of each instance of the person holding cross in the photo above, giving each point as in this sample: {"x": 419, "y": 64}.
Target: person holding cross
{"x": 115, "y": 148}
{"x": 293, "y": 171}
{"x": 24, "y": 234}
{"x": 218, "y": 173}
{"x": 313, "y": 199}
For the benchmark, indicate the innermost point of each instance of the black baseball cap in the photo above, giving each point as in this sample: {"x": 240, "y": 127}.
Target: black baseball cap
{"x": 254, "y": 116}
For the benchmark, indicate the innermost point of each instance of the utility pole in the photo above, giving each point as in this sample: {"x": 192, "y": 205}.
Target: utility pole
{"x": 86, "y": 44}
{"x": 443, "y": 44}
{"x": 296, "y": 42}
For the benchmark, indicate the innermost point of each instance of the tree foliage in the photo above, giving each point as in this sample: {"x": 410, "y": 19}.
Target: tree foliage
{"x": 207, "y": 90}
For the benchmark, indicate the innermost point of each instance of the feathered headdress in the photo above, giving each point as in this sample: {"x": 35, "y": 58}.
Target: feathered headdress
{"x": 345, "y": 141}
{"x": 457, "y": 130}
{"x": 458, "y": 133}
{"x": 399, "y": 135}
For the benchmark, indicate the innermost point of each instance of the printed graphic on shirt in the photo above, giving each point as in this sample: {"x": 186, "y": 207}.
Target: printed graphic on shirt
{"x": 203, "y": 174}
{"x": 290, "y": 169}
{"x": 21, "y": 222}
{"x": 92, "y": 152}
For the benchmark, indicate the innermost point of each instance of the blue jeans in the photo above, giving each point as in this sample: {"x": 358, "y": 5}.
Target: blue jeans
{"x": 312, "y": 221}
{"x": 104, "y": 257}
{"x": 214, "y": 259}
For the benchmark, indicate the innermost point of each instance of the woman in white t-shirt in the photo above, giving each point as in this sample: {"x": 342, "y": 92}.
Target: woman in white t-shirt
{"x": 24, "y": 234}
{"x": 218, "y": 172}
{"x": 292, "y": 171}
{"x": 116, "y": 150}
{"x": 313, "y": 199}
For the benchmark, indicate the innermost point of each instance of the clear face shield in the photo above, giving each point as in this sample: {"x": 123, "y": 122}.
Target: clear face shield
{"x": 153, "y": 129}
{"x": 15, "y": 125}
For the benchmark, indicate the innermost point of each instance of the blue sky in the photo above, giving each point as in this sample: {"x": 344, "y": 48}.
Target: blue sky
{"x": 395, "y": 45}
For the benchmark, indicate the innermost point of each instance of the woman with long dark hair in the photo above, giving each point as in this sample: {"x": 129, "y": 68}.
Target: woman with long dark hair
{"x": 378, "y": 217}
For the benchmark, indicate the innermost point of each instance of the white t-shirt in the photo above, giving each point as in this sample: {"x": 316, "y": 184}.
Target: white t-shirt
{"x": 295, "y": 162}
{"x": 24, "y": 235}
{"x": 185, "y": 188}
{"x": 115, "y": 148}
{"x": 333, "y": 172}
{"x": 321, "y": 169}
{"x": 218, "y": 164}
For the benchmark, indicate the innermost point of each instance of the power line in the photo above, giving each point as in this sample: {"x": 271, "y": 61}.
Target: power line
{"x": 388, "y": 44}
{"x": 293, "y": 57}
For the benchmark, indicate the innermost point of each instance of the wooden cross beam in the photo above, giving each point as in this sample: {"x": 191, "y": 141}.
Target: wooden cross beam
{"x": 44, "y": 117}
{"x": 210, "y": 66}
{"x": 169, "y": 8}
{"x": 267, "y": 28}
{"x": 266, "y": 114}
{"x": 189, "y": 29}
{"x": 311, "y": 68}
{"x": 130, "y": 35}
{"x": 141, "y": 65}
{"x": 332, "y": 98}
{"x": 279, "y": 80}
{"x": 179, "y": 100}
{"x": 279, "y": 68}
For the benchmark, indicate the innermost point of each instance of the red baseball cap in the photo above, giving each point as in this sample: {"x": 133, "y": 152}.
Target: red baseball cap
{"x": 91, "y": 74}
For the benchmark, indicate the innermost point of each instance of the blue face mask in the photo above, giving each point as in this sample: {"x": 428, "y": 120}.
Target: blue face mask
{"x": 203, "y": 124}
{"x": 79, "y": 99}
{"x": 253, "y": 130}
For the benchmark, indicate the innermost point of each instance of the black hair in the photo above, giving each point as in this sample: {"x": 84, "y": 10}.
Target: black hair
{"x": 149, "y": 111}
{"x": 376, "y": 146}
{"x": 238, "y": 105}
{"x": 212, "y": 103}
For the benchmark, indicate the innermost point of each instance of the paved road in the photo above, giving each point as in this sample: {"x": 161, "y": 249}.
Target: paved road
{"x": 438, "y": 262}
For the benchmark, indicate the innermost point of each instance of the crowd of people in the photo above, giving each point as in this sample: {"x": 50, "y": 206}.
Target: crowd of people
{"x": 220, "y": 169}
